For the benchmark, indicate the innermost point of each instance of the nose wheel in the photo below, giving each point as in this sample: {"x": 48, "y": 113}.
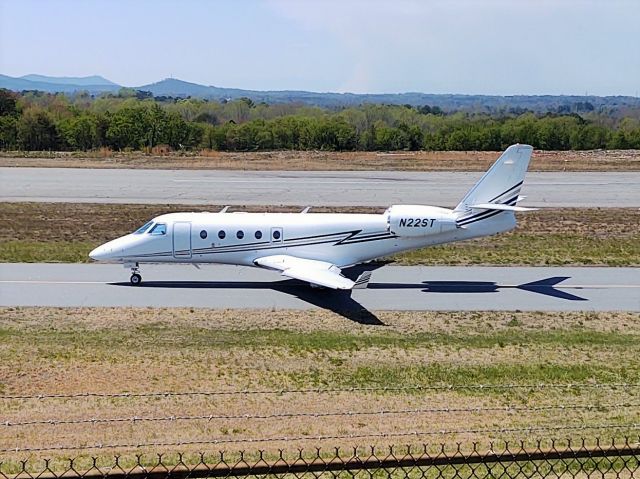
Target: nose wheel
{"x": 136, "y": 277}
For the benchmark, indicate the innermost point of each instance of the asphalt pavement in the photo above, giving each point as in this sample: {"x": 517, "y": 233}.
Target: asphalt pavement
{"x": 307, "y": 188}
{"x": 391, "y": 288}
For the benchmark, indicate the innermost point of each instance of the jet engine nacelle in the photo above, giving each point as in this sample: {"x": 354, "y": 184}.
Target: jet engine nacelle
{"x": 418, "y": 220}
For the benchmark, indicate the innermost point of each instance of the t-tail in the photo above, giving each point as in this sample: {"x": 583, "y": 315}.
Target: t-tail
{"x": 498, "y": 190}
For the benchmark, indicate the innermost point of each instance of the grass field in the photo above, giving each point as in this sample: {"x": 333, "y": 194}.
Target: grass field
{"x": 594, "y": 160}
{"x": 71, "y": 351}
{"x": 57, "y": 232}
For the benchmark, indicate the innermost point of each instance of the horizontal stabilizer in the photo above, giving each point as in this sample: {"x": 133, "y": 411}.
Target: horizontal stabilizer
{"x": 495, "y": 206}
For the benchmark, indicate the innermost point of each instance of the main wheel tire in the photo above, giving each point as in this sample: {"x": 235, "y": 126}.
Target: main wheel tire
{"x": 135, "y": 279}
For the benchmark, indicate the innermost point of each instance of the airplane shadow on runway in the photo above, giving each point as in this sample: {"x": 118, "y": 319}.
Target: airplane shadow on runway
{"x": 338, "y": 301}
{"x": 342, "y": 302}
{"x": 545, "y": 287}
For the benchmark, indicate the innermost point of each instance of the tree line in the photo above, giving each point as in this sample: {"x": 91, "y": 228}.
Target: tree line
{"x": 135, "y": 121}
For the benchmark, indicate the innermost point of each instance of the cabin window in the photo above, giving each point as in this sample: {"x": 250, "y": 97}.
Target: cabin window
{"x": 159, "y": 229}
{"x": 143, "y": 228}
{"x": 240, "y": 234}
{"x": 276, "y": 235}
{"x": 203, "y": 234}
{"x": 258, "y": 234}
{"x": 221, "y": 234}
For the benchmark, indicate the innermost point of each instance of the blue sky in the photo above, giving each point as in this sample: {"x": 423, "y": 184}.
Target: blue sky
{"x": 434, "y": 46}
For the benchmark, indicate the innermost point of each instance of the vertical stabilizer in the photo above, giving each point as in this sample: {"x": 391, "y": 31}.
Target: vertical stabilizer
{"x": 501, "y": 184}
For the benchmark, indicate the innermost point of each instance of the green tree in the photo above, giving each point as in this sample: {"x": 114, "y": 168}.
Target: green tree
{"x": 8, "y": 103}
{"x": 36, "y": 131}
{"x": 8, "y": 132}
{"x": 128, "y": 128}
{"x": 79, "y": 132}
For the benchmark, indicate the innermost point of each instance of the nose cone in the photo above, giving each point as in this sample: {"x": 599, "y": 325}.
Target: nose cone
{"x": 115, "y": 250}
{"x": 101, "y": 253}
{"x": 111, "y": 251}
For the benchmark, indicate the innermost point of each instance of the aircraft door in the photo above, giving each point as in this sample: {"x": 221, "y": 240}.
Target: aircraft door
{"x": 182, "y": 240}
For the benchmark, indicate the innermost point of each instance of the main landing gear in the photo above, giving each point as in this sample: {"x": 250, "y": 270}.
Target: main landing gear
{"x": 136, "y": 277}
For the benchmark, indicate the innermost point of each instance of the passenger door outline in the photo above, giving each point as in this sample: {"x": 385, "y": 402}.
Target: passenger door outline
{"x": 182, "y": 239}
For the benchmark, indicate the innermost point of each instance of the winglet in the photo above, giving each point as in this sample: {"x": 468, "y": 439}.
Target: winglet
{"x": 306, "y": 210}
{"x": 363, "y": 280}
{"x": 224, "y": 210}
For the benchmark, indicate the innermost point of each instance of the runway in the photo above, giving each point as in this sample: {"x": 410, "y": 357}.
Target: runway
{"x": 391, "y": 288}
{"x": 314, "y": 188}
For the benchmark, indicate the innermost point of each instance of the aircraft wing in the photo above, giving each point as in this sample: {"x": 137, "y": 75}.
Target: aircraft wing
{"x": 320, "y": 273}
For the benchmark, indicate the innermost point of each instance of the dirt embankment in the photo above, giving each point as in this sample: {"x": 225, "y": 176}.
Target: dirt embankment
{"x": 593, "y": 160}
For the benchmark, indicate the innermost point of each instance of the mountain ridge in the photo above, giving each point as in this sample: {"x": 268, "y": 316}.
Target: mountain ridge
{"x": 180, "y": 88}
{"x": 82, "y": 81}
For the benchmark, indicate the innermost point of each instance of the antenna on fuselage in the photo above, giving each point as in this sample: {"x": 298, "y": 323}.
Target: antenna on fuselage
{"x": 224, "y": 210}
{"x": 306, "y": 210}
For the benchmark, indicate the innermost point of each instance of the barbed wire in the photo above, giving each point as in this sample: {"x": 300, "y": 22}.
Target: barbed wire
{"x": 444, "y": 387}
{"x": 211, "y": 417}
{"x": 321, "y": 438}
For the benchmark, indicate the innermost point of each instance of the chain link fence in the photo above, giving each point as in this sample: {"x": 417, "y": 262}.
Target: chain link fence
{"x": 565, "y": 459}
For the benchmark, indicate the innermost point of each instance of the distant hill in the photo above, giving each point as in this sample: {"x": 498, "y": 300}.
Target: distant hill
{"x": 82, "y": 81}
{"x": 173, "y": 87}
{"x": 452, "y": 102}
{"x": 20, "y": 84}
{"x": 178, "y": 88}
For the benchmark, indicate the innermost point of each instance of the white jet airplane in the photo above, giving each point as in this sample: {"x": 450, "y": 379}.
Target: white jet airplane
{"x": 314, "y": 247}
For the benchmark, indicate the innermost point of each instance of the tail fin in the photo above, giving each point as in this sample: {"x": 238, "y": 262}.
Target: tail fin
{"x": 363, "y": 280}
{"x": 501, "y": 184}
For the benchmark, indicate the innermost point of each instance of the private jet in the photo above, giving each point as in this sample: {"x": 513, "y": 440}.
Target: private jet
{"x": 316, "y": 247}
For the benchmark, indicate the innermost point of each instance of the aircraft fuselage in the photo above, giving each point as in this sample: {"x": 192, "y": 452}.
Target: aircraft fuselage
{"x": 241, "y": 238}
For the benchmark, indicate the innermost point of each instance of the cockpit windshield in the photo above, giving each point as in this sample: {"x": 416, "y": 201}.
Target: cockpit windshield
{"x": 143, "y": 228}
{"x": 159, "y": 229}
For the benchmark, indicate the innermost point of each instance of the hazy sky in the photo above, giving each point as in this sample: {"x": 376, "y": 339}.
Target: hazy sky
{"x": 433, "y": 46}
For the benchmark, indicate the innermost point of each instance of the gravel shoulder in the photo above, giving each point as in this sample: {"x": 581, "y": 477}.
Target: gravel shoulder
{"x": 592, "y": 160}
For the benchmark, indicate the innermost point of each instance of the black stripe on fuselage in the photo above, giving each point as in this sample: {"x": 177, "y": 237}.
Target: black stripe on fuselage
{"x": 241, "y": 249}
{"x": 484, "y": 215}
{"x": 350, "y": 238}
{"x": 233, "y": 246}
{"x": 491, "y": 214}
{"x": 351, "y": 232}
{"x": 328, "y": 238}
{"x": 269, "y": 244}
{"x": 487, "y": 214}
{"x": 468, "y": 219}
{"x": 476, "y": 215}
{"x": 366, "y": 240}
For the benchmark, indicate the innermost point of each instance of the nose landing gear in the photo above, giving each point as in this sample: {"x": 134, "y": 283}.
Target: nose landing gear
{"x": 136, "y": 277}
